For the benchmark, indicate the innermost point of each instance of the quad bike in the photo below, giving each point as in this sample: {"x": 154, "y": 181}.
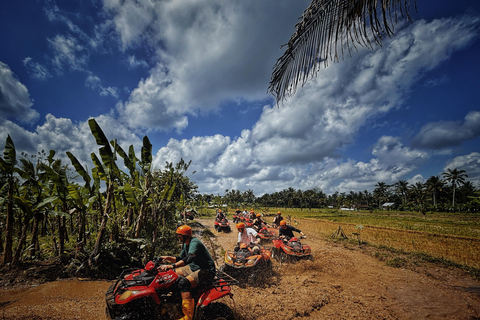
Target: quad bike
{"x": 190, "y": 215}
{"x": 236, "y": 217}
{"x": 152, "y": 294}
{"x": 248, "y": 222}
{"x": 290, "y": 250}
{"x": 222, "y": 225}
{"x": 248, "y": 266}
{"x": 266, "y": 234}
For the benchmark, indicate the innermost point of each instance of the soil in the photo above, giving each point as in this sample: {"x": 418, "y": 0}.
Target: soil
{"x": 344, "y": 281}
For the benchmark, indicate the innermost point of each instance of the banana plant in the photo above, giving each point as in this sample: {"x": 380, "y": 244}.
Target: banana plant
{"x": 108, "y": 171}
{"x": 55, "y": 177}
{"x": 7, "y": 167}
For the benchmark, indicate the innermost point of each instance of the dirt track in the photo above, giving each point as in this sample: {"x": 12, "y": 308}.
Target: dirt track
{"x": 341, "y": 283}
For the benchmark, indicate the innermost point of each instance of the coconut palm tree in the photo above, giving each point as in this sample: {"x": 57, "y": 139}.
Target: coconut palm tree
{"x": 434, "y": 185}
{"x": 327, "y": 28}
{"x": 401, "y": 187}
{"x": 456, "y": 178}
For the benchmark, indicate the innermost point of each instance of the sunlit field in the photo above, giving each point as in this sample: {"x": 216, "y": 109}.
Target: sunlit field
{"x": 450, "y": 236}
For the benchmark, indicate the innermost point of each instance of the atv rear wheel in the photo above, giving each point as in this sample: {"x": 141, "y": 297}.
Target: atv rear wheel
{"x": 217, "y": 311}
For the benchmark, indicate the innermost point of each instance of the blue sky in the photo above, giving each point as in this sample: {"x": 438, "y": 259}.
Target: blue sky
{"x": 193, "y": 76}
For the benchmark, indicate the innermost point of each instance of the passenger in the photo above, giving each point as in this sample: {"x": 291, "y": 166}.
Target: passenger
{"x": 194, "y": 265}
{"x": 249, "y": 237}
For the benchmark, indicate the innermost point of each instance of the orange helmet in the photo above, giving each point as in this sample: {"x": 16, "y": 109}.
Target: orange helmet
{"x": 279, "y": 212}
{"x": 240, "y": 225}
{"x": 184, "y": 230}
{"x": 258, "y": 215}
{"x": 283, "y": 223}
{"x": 220, "y": 210}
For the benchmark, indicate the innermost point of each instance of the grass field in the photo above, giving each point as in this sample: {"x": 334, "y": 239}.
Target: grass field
{"x": 451, "y": 237}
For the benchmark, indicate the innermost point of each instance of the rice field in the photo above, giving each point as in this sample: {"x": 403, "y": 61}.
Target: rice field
{"x": 454, "y": 237}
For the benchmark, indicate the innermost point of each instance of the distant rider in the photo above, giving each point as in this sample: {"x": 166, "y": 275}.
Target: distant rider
{"x": 277, "y": 219}
{"x": 194, "y": 266}
{"x": 285, "y": 231}
{"x": 220, "y": 215}
{"x": 258, "y": 222}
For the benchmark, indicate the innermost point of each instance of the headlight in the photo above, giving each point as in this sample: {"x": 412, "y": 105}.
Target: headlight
{"x": 251, "y": 262}
{"x": 228, "y": 259}
{"x": 127, "y": 294}
{"x": 287, "y": 249}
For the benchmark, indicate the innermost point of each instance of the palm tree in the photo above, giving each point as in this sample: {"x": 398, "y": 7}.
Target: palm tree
{"x": 327, "y": 27}
{"x": 401, "y": 187}
{"x": 381, "y": 192}
{"x": 434, "y": 184}
{"x": 456, "y": 178}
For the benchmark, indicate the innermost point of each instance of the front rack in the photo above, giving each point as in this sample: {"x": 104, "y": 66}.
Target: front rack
{"x": 223, "y": 279}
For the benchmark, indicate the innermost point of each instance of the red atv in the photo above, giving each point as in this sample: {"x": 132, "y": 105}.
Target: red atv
{"x": 190, "y": 215}
{"x": 289, "y": 250}
{"x": 266, "y": 234}
{"x": 148, "y": 293}
{"x": 248, "y": 266}
{"x": 222, "y": 225}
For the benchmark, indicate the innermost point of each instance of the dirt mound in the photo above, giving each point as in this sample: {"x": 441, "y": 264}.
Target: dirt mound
{"x": 341, "y": 283}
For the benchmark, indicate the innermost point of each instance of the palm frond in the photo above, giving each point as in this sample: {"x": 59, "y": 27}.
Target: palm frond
{"x": 327, "y": 27}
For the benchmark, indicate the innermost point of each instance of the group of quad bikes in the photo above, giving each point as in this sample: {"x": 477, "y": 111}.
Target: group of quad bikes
{"x": 251, "y": 266}
{"x": 148, "y": 293}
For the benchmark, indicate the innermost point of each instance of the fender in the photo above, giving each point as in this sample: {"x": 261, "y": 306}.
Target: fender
{"x": 214, "y": 294}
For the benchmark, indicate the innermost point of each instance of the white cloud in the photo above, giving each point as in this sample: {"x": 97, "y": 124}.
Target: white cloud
{"x": 470, "y": 163}
{"x": 298, "y": 143}
{"x": 95, "y": 83}
{"x": 62, "y": 135}
{"x": 36, "y": 69}
{"x": 15, "y": 100}
{"x": 210, "y": 52}
{"x": 68, "y": 53}
{"x": 437, "y": 135}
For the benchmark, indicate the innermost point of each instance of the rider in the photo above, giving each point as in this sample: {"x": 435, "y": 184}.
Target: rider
{"x": 285, "y": 230}
{"x": 257, "y": 223}
{"x": 278, "y": 218}
{"x": 220, "y": 215}
{"x": 252, "y": 215}
{"x": 247, "y": 236}
{"x": 194, "y": 266}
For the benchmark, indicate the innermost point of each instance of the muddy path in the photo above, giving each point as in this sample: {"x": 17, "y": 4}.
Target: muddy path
{"x": 341, "y": 283}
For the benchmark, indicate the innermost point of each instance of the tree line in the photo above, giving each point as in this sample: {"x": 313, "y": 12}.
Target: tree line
{"x": 46, "y": 212}
{"x": 448, "y": 192}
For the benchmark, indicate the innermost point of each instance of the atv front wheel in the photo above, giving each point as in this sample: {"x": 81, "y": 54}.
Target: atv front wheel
{"x": 217, "y": 311}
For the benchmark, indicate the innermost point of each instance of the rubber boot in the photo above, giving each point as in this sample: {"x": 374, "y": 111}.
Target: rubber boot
{"x": 188, "y": 308}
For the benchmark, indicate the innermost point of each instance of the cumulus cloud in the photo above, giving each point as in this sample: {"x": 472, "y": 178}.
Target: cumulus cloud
{"x": 210, "y": 52}
{"x": 438, "y": 135}
{"x": 298, "y": 143}
{"x": 470, "y": 163}
{"x": 15, "y": 100}
{"x": 62, "y": 135}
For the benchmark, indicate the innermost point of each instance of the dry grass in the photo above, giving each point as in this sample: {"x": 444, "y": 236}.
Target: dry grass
{"x": 460, "y": 250}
